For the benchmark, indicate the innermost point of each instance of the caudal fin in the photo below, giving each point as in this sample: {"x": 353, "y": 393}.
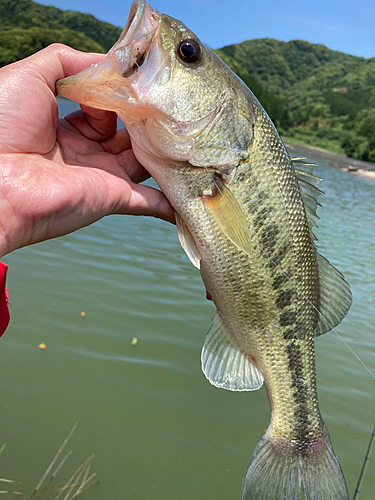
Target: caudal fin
{"x": 275, "y": 475}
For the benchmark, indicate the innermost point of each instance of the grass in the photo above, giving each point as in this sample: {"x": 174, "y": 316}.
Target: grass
{"x": 46, "y": 489}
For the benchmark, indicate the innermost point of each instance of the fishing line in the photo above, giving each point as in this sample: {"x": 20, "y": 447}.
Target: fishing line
{"x": 364, "y": 466}
{"x": 356, "y": 355}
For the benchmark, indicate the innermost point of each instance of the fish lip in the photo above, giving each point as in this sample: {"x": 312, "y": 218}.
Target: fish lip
{"x": 137, "y": 10}
{"x": 129, "y": 53}
{"x": 98, "y": 85}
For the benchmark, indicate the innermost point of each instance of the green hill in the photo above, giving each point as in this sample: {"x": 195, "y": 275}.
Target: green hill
{"x": 280, "y": 65}
{"x": 314, "y": 95}
{"x": 329, "y": 95}
{"x": 27, "y": 14}
{"x": 18, "y": 43}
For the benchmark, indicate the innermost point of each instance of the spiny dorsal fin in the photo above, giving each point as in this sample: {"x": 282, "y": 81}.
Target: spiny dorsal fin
{"x": 308, "y": 183}
{"x": 335, "y": 296}
{"x": 187, "y": 242}
{"x": 224, "y": 365}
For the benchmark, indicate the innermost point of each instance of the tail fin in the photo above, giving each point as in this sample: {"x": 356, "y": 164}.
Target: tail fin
{"x": 275, "y": 475}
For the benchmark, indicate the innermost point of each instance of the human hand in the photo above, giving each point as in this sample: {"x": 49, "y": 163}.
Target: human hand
{"x": 57, "y": 176}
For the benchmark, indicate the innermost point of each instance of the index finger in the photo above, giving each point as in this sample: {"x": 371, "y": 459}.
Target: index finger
{"x": 95, "y": 124}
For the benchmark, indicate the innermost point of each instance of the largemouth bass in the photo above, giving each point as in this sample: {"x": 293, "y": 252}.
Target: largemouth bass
{"x": 245, "y": 212}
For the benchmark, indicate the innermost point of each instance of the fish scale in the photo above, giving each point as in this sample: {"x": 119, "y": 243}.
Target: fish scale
{"x": 233, "y": 291}
{"x": 296, "y": 343}
{"x": 244, "y": 214}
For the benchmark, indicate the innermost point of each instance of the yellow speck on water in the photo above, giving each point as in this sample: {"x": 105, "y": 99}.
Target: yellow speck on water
{"x": 83, "y": 314}
{"x": 134, "y": 341}
{"x": 42, "y": 346}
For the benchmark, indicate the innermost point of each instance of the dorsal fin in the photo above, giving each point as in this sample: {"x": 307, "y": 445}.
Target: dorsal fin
{"x": 224, "y": 364}
{"x": 308, "y": 183}
{"x": 335, "y": 296}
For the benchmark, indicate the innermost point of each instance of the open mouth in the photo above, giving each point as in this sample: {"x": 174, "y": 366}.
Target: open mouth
{"x": 129, "y": 53}
{"x": 140, "y": 12}
{"x": 122, "y": 61}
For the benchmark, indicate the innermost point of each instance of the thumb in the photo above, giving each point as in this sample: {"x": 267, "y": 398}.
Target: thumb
{"x": 61, "y": 61}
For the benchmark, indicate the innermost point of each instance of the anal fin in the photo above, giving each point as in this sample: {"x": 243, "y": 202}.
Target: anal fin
{"x": 224, "y": 365}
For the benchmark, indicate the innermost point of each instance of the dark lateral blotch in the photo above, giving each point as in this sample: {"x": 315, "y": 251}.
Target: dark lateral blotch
{"x": 284, "y": 299}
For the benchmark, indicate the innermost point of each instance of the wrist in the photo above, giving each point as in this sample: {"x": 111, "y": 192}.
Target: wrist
{"x": 4, "y": 228}
{"x": 5, "y": 240}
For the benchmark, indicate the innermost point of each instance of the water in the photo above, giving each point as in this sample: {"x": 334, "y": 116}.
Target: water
{"x": 157, "y": 428}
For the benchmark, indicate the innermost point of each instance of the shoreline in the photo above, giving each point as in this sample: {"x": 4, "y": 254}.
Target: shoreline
{"x": 363, "y": 169}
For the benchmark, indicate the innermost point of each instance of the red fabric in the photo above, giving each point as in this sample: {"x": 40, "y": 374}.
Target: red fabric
{"x": 4, "y": 311}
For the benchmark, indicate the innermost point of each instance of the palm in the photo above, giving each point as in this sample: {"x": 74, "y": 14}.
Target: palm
{"x": 58, "y": 176}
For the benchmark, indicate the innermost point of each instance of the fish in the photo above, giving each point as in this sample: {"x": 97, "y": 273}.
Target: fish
{"x": 245, "y": 213}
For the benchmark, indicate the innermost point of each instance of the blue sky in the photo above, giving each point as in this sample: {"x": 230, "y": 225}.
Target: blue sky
{"x": 346, "y": 25}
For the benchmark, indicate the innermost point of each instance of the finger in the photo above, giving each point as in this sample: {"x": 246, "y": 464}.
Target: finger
{"x": 145, "y": 200}
{"x": 132, "y": 167}
{"x": 28, "y": 96}
{"x": 61, "y": 61}
{"x": 103, "y": 122}
{"x": 97, "y": 128}
{"x": 118, "y": 142}
{"x": 77, "y": 150}
{"x": 72, "y": 143}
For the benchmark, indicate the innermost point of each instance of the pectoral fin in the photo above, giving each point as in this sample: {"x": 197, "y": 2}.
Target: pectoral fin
{"x": 228, "y": 214}
{"x": 224, "y": 364}
{"x": 187, "y": 242}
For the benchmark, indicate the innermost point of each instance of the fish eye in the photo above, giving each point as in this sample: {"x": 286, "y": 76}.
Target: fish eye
{"x": 189, "y": 51}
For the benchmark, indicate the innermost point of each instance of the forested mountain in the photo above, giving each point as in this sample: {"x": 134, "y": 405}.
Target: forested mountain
{"x": 313, "y": 94}
{"x": 330, "y": 96}
{"x": 26, "y": 14}
{"x": 18, "y": 43}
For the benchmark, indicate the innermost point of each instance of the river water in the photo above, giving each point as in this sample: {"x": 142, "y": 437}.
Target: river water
{"x": 157, "y": 428}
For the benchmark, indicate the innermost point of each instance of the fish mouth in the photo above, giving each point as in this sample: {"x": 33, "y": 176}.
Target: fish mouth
{"x": 107, "y": 84}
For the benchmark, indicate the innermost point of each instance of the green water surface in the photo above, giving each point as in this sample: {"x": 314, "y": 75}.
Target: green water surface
{"x": 157, "y": 428}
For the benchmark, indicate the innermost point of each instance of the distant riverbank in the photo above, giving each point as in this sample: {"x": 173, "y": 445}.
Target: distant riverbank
{"x": 357, "y": 167}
